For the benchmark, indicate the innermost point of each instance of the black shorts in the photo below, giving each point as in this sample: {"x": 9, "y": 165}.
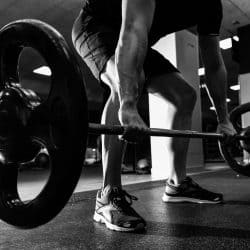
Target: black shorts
{"x": 96, "y": 41}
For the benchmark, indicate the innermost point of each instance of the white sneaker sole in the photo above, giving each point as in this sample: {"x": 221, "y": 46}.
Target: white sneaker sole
{"x": 167, "y": 198}
{"x": 100, "y": 219}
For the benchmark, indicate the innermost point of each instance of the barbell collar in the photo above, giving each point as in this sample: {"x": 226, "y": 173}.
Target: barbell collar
{"x": 119, "y": 130}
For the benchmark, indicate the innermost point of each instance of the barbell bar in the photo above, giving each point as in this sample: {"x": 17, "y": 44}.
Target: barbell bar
{"x": 95, "y": 128}
{"x": 63, "y": 118}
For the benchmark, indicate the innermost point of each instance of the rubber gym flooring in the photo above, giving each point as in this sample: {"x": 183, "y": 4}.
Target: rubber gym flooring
{"x": 170, "y": 226}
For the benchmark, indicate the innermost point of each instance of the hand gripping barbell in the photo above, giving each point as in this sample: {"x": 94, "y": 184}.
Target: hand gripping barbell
{"x": 63, "y": 117}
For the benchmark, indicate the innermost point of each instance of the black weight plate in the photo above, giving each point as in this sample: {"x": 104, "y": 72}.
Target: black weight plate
{"x": 65, "y": 110}
{"x": 233, "y": 153}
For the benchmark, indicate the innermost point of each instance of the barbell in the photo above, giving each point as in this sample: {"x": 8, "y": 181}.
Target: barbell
{"x": 60, "y": 124}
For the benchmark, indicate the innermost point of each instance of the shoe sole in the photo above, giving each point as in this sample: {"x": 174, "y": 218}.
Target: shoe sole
{"x": 100, "y": 219}
{"x": 170, "y": 199}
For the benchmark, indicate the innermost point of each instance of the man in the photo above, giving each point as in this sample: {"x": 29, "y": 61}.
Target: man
{"x": 114, "y": 38}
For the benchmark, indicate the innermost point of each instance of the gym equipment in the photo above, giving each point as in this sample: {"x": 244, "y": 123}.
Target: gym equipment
{"x": 236, "y": 152}
{"x": 64, "y": 115}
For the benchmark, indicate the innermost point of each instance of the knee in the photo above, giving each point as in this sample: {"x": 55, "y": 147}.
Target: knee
{"x": 108, "y": 75}
{"x": 187, "y": 101}
{"x": 110, "y": 89}
{"x": 111, "y": 85}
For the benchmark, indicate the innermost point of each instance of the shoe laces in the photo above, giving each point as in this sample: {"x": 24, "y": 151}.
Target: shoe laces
{"x": 121, "y": 199}
{"x": 191, "y": 181}
{"x": 185, "y": 184}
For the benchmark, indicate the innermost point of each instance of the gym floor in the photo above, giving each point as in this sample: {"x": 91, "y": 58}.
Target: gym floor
{"x": 170, "y": 226}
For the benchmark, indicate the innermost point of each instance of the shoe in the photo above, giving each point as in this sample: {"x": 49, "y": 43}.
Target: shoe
{"x": 190, "y": 191}
{"x": 143, "y": 166}
{"x": 115, "y": 211}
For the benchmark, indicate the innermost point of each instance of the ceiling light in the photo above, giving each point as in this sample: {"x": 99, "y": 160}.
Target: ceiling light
{"x": 228, "y": 100}
{"x": 226, "y": 43}
{"x": 235, "y": 87}
{"x": 44, "y": 70}
{"x": 201, "y": 71}
{"x": 203, "y": 86}
{"x": 236, "y": 38}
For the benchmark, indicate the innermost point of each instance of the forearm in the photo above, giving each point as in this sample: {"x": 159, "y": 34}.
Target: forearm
{"x": 217, "y": 87}
{"x": 129, "y": 57}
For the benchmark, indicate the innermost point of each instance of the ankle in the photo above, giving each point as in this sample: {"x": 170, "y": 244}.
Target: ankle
{"x": 111, "y": 186}
{"x": 172, "y": 182}
{"x": 175, "y": 181}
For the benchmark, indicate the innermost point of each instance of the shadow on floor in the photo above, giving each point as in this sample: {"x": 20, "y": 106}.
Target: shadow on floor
{"x": 170, "y": 226}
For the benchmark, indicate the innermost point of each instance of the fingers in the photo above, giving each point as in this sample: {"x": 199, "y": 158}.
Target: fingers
{"x": 229, "y": 133}
{"x": 227, "y": 129}
{"x": 135, "y": 128}
{"x": 134, "y": 134}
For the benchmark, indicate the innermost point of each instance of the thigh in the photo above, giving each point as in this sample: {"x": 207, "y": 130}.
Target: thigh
{"x": 172, "y": 87}
{"x": 164, "y": 79}
{"x": 95, "y": 41}
{"x": 156, "y": 64}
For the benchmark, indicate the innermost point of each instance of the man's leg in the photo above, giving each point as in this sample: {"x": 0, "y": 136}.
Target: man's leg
{"x": 112, "y": 205}
{"x": 173, "y": 89}
{"x": 112, "y": 147}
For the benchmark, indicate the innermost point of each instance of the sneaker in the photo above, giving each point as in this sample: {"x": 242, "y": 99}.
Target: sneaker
{"x": 115, "y": 211}
{"x": 190, "y": 191}
{"x": 143, "y": 166}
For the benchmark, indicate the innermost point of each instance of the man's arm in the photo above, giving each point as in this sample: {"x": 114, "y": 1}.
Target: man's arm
{"x": 216, "y": 75}
{"x": 137, "y": 17}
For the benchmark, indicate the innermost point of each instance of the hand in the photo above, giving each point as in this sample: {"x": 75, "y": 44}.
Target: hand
{"x": 226, "y": 128}
{"x": 135, "y": 126}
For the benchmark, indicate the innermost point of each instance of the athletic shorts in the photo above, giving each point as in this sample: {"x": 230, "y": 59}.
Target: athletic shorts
{"x": 96, "y": 41}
